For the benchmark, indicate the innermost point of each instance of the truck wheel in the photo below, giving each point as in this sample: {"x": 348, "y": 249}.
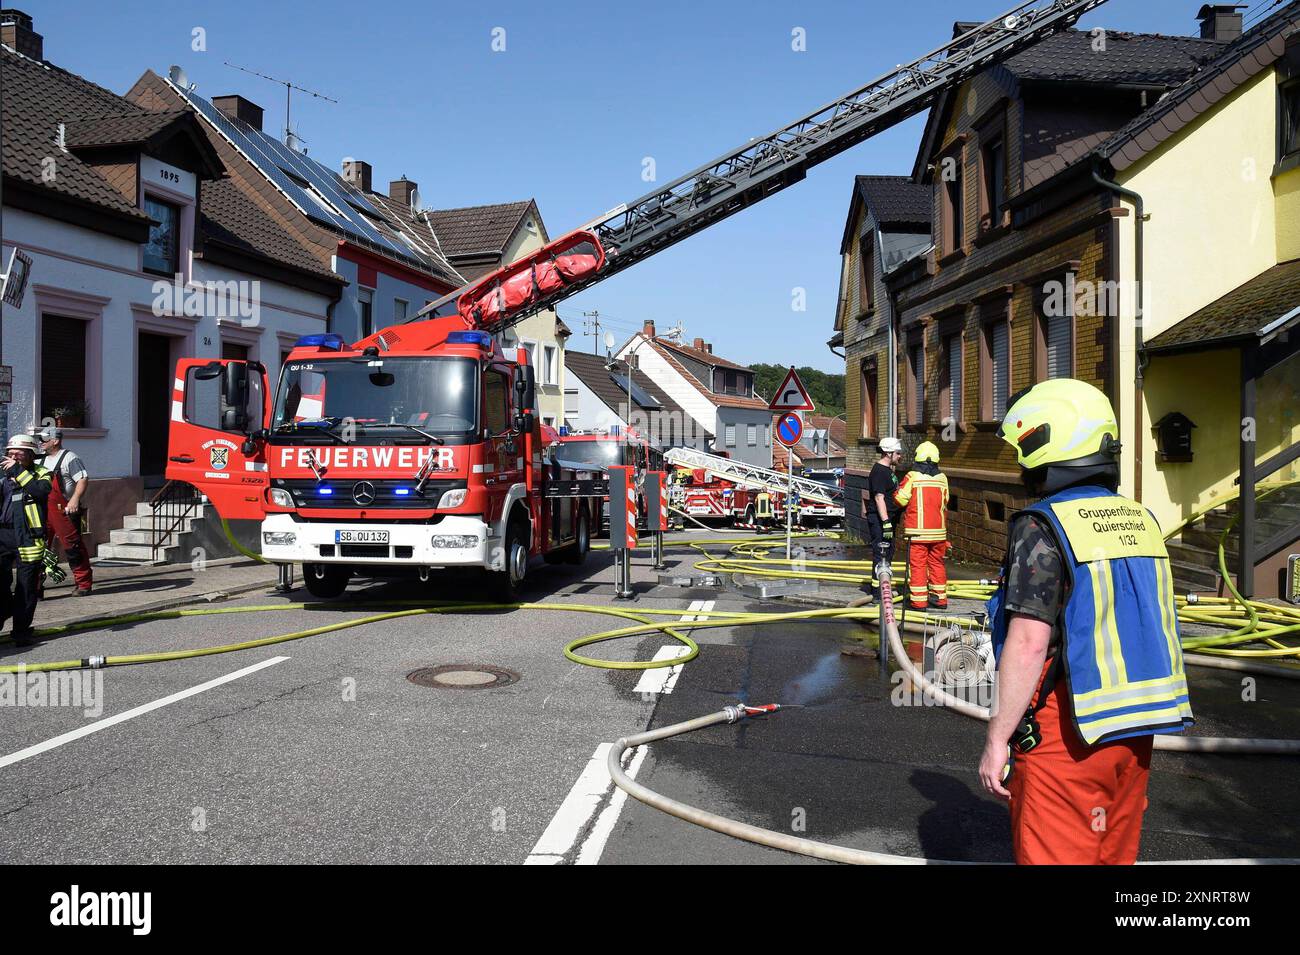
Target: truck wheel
{"x": 509, "y": 581}
{"x": 325, "y": 581}
{"x": 578, "y": 552}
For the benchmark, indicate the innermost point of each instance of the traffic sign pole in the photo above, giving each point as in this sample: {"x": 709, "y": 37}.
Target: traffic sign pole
{"x": 789, "y": 500}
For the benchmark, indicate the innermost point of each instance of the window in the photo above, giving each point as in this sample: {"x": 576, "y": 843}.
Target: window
{"x": 952, "y": 208}
{"x": 751, "y": 434}
{"x": 63, "y": 367}
{"x": 1289, "y": 120}
{"x": 950, "y": 406}
{"x": 399, "y": 310}
{"x": 571, "y": 401}
{"x": 548, "y": 370}
{"x": 365, "y": 305}
{"x": 1053, "y": 332}
{"x": 162, "y": 250}
{"x": 866, "y": 273}
{"x": 916, "y": 380}
{"x": 993, "y": 180}
{"x": 732, "y": 385}
{"x": 995, "y": 360}
{"x": 234, "y": 351}
{"x": 730, "y": 436}
{"x": 496, "y": 402}
{"x": 869, "y": 401}
{"x": 767, "y": 435}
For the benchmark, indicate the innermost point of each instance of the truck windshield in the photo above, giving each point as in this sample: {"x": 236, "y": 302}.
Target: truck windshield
{"x": 438, "y": 395}
{"x": 595, "y": 454}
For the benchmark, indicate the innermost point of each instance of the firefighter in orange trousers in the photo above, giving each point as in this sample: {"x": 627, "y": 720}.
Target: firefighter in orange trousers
{"x": 923, "y": 495}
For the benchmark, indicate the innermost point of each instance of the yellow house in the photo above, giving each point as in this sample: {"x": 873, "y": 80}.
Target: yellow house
{"x": 1208, "y": 293}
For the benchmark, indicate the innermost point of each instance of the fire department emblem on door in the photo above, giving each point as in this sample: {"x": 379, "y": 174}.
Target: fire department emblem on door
{"x": 219, "y": 458}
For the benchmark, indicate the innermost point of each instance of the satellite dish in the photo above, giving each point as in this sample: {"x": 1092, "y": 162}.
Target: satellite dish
{"x": 415, "y": 200}
{"x": 179, "y": 79}
{"x": 609, "y": 339}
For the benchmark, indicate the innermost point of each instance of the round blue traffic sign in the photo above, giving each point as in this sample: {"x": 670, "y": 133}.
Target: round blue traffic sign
{"x": 789, "y": 429}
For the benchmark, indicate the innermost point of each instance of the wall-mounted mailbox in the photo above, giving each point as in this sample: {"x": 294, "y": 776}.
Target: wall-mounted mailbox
{"x": 1174, "y": 437}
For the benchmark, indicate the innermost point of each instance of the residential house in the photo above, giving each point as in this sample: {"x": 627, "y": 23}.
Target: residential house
{"x": 887, "y": 226}
{"x": 142, "y": 252}
{"x": 717, "y": 395}
{"x": 480, "y": 239}
{"x": 1019, "y": 218}
{"x": 596, "y": 399}
{"x": 390, "y": 272}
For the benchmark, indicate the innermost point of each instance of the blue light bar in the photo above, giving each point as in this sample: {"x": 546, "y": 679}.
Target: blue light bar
{"x": 564, "y": 431}
{"x": 481, "y": 339}
{"x": 326, "y": 491}
{"x": 328, "y": 340}
{"x": 401, "y": 491}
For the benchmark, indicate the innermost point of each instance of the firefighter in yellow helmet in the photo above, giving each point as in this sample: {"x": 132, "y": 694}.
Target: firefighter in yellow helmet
{"x": 1086, "y": 637}
{"x": 24, "y": 489}
{"x": 923, "y": 496}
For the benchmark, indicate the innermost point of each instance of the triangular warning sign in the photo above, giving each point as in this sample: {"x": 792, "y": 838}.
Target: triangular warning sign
{"x": 792, "y": 395}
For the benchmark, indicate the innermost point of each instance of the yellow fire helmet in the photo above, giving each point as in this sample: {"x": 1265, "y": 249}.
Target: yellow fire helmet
{"x": 927, "y": 452}
{"x": 1061, "y": 421}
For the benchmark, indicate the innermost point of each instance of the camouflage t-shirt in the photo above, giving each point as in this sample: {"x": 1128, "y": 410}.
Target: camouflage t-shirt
{"x": 1035, "y": 574}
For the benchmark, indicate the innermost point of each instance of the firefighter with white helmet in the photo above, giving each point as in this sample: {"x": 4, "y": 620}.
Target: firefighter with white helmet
{"x": 23, "y": 494}
{"x": 1085, "y": 632}
{"x": 880, "y": 506}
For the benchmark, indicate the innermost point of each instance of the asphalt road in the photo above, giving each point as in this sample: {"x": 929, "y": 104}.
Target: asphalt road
{"x": 330, "y": 754}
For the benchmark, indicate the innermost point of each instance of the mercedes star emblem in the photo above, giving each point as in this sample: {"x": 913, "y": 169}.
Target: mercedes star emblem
{"x": 363, "y": 492}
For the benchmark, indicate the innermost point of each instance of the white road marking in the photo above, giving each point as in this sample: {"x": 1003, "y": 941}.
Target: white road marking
{"x": 594, "y": 783}
{"x": 663, "y": 679}
{"x": 122, "y": 717}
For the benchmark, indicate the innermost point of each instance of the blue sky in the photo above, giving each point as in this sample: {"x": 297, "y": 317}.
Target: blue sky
{"x": 581, "y": 95}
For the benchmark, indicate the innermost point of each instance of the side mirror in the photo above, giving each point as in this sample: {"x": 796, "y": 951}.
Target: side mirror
{"x": 524, "y": 422}
{"x": 234, "y": 388}
{"x": 208, "y": 371}
{"x": 525, "y": 388}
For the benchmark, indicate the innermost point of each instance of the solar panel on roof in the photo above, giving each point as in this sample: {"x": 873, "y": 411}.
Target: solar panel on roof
{"x": 288, "y": 169}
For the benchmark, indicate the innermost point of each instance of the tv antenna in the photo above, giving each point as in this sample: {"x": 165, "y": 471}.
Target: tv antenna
{"x": 289, "y": 87}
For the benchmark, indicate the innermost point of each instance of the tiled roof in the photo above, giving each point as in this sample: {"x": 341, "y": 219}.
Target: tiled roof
{"x": 112, "y": 129}
{"x": 838, "y": 427}
{"x": 897, "y": 200}
{"x": 234, "y": 220}
{"x": 37, "y": 97}
{"x": 719, "y": 401}
{"x": 591, "y": 369}
{"x": 477, "y": 229}
{"x": 1244, "y": 313}
{"x": 705, "y": 357}
{"x": 1242, "y": 59}
{"x": 1140, "y": 58}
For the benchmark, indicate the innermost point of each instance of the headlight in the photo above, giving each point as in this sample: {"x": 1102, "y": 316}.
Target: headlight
{"x": 454, "y": 541}
{"x": 279, "y": 497}
{"x": 453, "y": 498}
{"x": 279, "y": 537}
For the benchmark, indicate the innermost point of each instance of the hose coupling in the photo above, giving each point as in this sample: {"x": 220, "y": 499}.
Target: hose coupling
{"x": 1193, "y": 598}
{"x": 95, "y": 663}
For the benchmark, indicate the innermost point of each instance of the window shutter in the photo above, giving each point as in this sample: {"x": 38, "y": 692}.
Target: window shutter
{"x": 1059, "y": 347}
{"x": 954, "y": 377}
{"x": 1001, "y": 369}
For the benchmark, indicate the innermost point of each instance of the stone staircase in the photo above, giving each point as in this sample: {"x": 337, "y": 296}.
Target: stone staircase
{"x": 134, "y": 540}
{"x": 1194, "y": 553}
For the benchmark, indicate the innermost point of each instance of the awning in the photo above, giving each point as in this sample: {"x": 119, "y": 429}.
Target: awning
{"x": 1258, "y": 311}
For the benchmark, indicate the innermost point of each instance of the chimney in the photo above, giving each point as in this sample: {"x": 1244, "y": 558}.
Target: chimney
{"x": 708, "y": 347}
{"x": 358, "y": 173}
{"x": 16, "y": 32}
{"x": 400, "y": 190}
{"x": 648, "y": 329}
{"x": 698, "y": 344}
{"x": 1221, "y": 21}
{"x": 236, "y": 107}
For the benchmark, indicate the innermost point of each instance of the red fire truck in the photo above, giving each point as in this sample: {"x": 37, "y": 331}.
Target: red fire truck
{"x": 597, "y": 450}
{"x": 413, "y": 449}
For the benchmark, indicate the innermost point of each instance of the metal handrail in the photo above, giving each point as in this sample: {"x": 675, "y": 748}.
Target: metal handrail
{"x": 174, "y": 502}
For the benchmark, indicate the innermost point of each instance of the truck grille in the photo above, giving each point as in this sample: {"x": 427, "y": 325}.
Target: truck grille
{"x": 380, "y": 551}
{"x": 308, "y": 494}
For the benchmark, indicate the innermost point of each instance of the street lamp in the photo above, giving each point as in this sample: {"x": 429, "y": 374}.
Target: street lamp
{"x": 828, "y": 435}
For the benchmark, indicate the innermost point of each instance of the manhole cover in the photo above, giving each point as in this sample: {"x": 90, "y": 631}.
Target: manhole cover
{"x": 463, "y": 676}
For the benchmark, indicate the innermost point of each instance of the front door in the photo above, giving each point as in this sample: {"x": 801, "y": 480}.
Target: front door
{"x": 152, "y": 399}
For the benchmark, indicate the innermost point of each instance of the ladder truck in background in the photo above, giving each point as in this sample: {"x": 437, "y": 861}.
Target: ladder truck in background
{"x": 418, "y": 448}
{"x": 721, "y": 487}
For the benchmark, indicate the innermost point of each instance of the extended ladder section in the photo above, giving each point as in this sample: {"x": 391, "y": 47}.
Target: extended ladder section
{"x": 750, "y": 475}
{"x": 767, "y": 164}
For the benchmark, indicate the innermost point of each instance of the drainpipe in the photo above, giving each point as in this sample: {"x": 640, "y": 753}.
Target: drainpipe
{"x": 1139, "y": 346}
{"x": 892, "y": 297}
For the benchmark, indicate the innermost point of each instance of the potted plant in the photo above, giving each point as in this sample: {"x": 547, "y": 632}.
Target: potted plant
{"x": 71, "y": 415}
